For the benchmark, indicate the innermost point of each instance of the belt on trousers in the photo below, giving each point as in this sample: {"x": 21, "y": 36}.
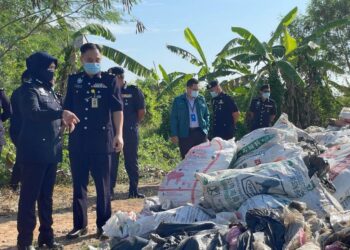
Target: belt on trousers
{"x": 195, "y": 129}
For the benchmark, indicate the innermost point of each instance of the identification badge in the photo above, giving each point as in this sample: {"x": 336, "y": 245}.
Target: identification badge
{"x": 94, "y": 102}
{"x": 193, "y": 118}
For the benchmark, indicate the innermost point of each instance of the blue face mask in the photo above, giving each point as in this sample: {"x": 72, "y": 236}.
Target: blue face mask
{"x": 266, "y": 95}
{"x": 92, "y": 68}
{"x": 213, "y": 94}
{"x": 194, "y": 93}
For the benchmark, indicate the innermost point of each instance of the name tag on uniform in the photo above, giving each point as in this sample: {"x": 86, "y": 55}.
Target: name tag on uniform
{"x": 193, "y": 118}
{"x": 126, "y": 95}
{"x": 94, "y": 102}
{"x": 99, "y": 86}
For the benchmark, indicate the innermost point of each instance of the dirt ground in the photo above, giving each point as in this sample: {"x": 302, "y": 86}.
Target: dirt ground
{"x": 63, "y": 214}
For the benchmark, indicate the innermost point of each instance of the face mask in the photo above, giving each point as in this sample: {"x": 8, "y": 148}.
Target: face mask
{"x": 92, "y": 68}
{"x": 213, "y": 94}
{"x": 46, "y": 76}
{"x": 194, "y": 93}
{"x": 266, "y": 95}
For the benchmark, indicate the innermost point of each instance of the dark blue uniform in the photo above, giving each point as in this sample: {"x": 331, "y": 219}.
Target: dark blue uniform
{"x": 39, "y": 149}
{"x": 15, "y": 128}
{"x": 262, "y": 110}
{"x": 5, "y": 114}
{"x": 93, "y": 100}
{"x": 223, "y": 124}
{"x": 133, "y": 101}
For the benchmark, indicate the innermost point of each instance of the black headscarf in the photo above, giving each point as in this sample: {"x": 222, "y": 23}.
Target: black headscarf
{"x": 38, "y": 64}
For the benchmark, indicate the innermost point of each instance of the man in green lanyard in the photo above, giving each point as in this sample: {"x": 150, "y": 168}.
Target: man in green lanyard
{"x": 189, "y": 118}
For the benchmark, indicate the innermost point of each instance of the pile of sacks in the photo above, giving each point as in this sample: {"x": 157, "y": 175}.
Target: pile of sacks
{"x": 276, "y": 188}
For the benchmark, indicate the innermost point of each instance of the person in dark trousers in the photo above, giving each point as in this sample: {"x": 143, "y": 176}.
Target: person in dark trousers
{"x": 189, "y": 118}
{"x": 15, "y": 126}
{"x": 134, "y": 113}
{"x": 6, "y": 111}
{"x": 262, "y": 111}
{"x": 39, "y": 150}
{"x": 225, "y": 112}
{"x": 95, "y": 97}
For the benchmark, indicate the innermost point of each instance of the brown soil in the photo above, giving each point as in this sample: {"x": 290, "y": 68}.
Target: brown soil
{"x": 63, "y": 214}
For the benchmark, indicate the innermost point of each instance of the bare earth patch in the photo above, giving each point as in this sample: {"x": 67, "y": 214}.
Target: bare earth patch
{"x": 63, "y": 216}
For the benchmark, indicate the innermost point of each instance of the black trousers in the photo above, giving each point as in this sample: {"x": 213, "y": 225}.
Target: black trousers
{"x": 196, "y": 136}
{"x": 99, "y": 166}
{"x": 15, "y": 175}
{"x": 37, "y": 186}
{"x": 130, "y": 150}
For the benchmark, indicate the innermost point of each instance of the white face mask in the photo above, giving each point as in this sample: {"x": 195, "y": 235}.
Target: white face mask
{"x": 194, "y": 93}
{"x": 266, "y": 95}
{"x": 213, "y": 94}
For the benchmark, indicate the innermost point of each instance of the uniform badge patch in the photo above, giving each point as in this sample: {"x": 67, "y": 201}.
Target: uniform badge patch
{"x": 43, "y": 92}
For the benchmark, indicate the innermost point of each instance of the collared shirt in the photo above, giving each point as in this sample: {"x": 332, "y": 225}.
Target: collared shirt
{"x": 39, "y": 139}
{"x": 93, "y": 100}
{"x": 192, "y": 112}
{"x": 262, "y": 110}
{"x": 223, "y": 124}
{"x": 133, "y": 100}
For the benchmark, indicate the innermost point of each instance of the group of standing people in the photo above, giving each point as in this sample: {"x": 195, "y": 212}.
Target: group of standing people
{"x": 101, "y": 113}
{"x": 190, "y": 117}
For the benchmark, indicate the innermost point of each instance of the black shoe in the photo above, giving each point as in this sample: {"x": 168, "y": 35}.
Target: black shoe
{"x": 30, "y": 247}
{"x": 76, "y": 233}
{"x": 52, "y": 245}
{"x": 136, "y": 195}
{"x": 100, "y": 234}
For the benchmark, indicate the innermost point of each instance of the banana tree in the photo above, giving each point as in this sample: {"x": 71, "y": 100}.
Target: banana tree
{"x": 74, "y": 41}
{"x": 206, "y": 72}
{"x": 170, "y": 82}
{"x": 278, "y": 64}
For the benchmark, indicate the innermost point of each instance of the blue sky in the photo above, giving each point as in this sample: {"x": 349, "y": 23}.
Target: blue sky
{"x": 210, "y": 21}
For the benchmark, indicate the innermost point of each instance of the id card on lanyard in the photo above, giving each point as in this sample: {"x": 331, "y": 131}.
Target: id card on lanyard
{"x": 192, "y": 115}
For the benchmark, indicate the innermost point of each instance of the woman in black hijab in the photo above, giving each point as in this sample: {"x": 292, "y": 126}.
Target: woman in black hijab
{"x": 39, "y": 150}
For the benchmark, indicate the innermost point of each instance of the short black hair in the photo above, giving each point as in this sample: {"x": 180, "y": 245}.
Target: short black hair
{"x": 192, "y": 82}
{"x": 213, "y": 84}
{"x": 265, "y": 87}
{"x": 88, "y": 46}
{"x": 116, "y": 71}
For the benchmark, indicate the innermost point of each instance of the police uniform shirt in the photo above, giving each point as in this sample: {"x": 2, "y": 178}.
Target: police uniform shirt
{"x": 223, "y": 107}
{"x": 93, "y": 100}
{"x": 133, "y": 100}
{"x": 39, "y": 140}
{"x": 263, "y": 110}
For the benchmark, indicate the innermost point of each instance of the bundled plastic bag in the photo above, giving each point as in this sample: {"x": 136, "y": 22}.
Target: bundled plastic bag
{"x": 338, "y": 158}
{"x": 180, "y": 186}
{"x": 320, "y": 200}
{"x": 284, "y": 124}
{"x": 273, "y": 153}
{"x": 264, "y": 138}
{"x": 121, "y": 225}
{"x": 345, "y": 114}
{"x": 226, "y": 190}
{"x": 331, "y": 138}
{"x": 262, "y": 202}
